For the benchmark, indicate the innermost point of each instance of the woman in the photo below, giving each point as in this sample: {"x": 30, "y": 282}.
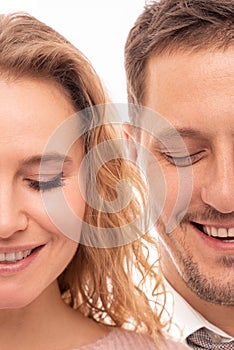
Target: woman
{"x": 56, "y": 293}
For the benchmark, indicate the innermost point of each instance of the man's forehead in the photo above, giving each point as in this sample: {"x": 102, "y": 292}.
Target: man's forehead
{"x": 195, "y": 96}
{"x": 203, "y": 67}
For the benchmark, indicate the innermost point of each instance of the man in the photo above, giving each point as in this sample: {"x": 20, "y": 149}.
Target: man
{"x": 179, "y": 60}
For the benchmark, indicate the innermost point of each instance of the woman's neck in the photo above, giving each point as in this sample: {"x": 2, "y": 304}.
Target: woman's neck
{"x": 47, "y": 323}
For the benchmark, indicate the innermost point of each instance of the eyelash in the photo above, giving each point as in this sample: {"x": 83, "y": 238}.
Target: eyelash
{"x": 183, "y": 161}
{"x": 56, "y": 182}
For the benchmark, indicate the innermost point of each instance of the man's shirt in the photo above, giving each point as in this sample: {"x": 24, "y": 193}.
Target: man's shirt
{"x": 189, "y": 320}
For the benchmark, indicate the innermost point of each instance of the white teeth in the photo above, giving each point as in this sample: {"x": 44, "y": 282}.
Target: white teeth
{"x": 12, "y": 257}
{"x": 207, "y": 230}
{"x": 19, "y": 255}
{"x": 231, "y": 232}
{"x": 26, "y": 253}
{"x": 219, "y": 232}
{"x": 2, "y": 256}
{"x": 222, "y": 232}
{"x": 213, "y": 232}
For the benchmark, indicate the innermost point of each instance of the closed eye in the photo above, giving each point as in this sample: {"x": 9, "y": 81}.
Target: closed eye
{"x": 55, "y": 182}
{"x": 183, "y": 161}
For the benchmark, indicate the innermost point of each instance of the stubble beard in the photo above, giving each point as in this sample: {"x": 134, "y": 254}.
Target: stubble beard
{"x": 213, "y": 290}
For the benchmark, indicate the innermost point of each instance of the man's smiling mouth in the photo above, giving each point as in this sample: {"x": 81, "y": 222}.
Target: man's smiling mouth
{"x": 221, "y": 233}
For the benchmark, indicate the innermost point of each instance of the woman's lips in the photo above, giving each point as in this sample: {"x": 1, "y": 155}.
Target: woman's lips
{"x": 13, "y": 267}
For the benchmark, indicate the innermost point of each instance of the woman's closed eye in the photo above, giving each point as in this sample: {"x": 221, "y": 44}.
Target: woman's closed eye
{"x": 45, "y": 185}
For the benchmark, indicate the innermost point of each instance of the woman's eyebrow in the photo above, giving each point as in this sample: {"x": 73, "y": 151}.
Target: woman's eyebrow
{"x": 53, "y": 158}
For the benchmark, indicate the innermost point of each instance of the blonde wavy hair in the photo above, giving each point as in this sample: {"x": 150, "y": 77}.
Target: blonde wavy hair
{"x": 99, "y": 282}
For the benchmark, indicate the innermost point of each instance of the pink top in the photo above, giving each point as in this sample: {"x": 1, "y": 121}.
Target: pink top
{"x": 119, "y": 339}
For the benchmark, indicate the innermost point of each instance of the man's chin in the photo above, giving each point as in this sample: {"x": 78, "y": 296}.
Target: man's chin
{"x": 214, "y": 290}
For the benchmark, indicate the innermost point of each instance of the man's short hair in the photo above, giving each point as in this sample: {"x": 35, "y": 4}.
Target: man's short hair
{"x": 170, "y": 26}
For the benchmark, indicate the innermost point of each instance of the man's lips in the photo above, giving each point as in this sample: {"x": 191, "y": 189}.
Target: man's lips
{"x": 224, "y": 233}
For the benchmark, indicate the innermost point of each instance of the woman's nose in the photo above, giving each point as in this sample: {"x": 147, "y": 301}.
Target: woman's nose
{"x": 12, "y": 216}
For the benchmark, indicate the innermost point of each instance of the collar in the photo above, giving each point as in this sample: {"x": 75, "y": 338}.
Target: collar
{"x": 189, "y": 320}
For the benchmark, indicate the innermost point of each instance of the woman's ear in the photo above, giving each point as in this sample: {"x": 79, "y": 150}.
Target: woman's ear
{"x": 128, "y": 131}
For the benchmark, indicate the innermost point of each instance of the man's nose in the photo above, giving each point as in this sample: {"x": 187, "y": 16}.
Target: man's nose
{"x": 12, "y": 216}
{"x": 218, "y": 191}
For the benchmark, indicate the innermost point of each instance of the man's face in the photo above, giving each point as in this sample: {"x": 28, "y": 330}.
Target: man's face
{"x": 195, "y": 92}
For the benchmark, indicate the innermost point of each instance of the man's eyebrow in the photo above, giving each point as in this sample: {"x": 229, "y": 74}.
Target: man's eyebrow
{"x": 46, "y": 158}
{"x": 168, "y": 135}
{"x": 182, "y": 132}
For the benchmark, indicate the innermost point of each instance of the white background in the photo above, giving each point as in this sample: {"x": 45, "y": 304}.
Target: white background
{"x": 99, "y": 28}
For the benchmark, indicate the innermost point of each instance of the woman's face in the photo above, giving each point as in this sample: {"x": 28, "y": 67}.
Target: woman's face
{"x": 30, "y": 111}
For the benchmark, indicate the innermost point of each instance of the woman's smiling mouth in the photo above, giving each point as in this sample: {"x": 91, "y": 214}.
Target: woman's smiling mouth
{"x": 13, "y": 261}
{"x": 14, "y": 256}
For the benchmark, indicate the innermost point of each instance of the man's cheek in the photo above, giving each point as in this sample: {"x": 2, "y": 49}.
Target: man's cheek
{"x": 171, "y": 193}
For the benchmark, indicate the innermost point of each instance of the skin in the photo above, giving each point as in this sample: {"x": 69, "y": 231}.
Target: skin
{"x": 30, "y": 303}
{"x": 195, "y": 91}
